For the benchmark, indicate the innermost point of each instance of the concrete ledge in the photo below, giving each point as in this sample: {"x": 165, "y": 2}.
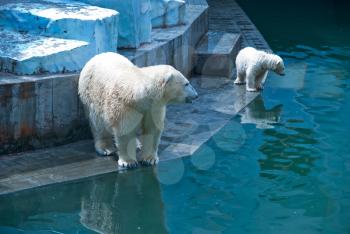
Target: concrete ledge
{"x": 186, "y": 129}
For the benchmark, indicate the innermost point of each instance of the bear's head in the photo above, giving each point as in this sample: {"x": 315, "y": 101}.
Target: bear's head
{"x": 177, "y": 89}
{"x": 279, "y": 66}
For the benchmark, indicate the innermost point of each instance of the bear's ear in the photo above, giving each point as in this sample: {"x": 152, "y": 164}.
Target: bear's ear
{"x": 168, "y": 77}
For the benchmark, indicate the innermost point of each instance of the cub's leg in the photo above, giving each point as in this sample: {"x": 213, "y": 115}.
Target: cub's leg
{"x": 250, "y": 77}
{"x": 259, "y": 80}
{"x": 127, "y": 150}
{"x": 241, "y": 78}
{"x": 103, "y": 139}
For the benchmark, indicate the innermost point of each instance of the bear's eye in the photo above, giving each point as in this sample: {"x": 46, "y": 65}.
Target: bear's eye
{"x": 187, "y": 84}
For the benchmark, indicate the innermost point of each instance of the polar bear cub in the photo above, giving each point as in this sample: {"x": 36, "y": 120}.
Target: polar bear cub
{"x": 120, "y": 99}
{"x": 253, "y": 65}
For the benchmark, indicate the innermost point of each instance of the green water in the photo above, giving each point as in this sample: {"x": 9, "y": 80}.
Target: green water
{"x": 282, "y": 166}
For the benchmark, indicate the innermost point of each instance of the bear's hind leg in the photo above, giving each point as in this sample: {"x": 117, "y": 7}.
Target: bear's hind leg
{"x": 127, "y": 145}
{"x": 103, "y": 139}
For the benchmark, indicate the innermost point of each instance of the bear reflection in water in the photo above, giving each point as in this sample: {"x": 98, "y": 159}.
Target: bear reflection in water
{"x": 256, "y": 113}
{"x": 126, "y": 202}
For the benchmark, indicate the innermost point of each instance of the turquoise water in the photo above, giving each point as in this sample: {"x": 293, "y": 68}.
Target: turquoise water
{"x": 282, "y": 166}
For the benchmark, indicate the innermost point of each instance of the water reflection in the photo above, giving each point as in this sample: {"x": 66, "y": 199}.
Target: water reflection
{"x": 117, "y": 203}
{"x": 128, "y": 204}
{"x": 290, "y": 149}
{"x": 256, "y": 113}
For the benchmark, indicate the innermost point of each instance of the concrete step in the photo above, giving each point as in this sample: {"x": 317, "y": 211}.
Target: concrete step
{"x": 23, "y": 53}
{"x": 166, "y": 13}
{"x": 216, "y": 52}
{"x": 63, "y": 19}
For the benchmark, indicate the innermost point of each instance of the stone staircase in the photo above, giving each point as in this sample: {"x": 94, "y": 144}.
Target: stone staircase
{"x": 216, "y": 52}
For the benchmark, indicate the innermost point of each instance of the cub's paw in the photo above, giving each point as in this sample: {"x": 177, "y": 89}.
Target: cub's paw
{"x": 239, "y": 82}
{"x": 252, "y": 90}
{"x": 127, "y": 164}
{"x": 149, "y": 161}
{"x": 105, "y": 151}
{"x": 260, "y": 87}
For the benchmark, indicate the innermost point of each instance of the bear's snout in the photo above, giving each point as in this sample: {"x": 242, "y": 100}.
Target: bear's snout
{"x": 191, "y": 94}
{"x": 190, "y": 99}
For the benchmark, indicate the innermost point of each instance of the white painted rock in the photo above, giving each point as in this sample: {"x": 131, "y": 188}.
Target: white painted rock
{"x": 167, "y": 12}
{"x": 134, "y": 23}
{"x": 22, "y": 53}
{"x": 63, "y": 19}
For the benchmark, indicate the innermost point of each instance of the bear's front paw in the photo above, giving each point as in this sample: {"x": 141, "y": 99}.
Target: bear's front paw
{"x": 130, "y": 163}
{"x": 150, "y": 161}
{"x": 260, "y": 87}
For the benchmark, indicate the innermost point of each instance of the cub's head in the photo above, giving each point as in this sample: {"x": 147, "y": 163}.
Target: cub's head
{"x": 279, "y": 67}
{"x": 177, "y": 89}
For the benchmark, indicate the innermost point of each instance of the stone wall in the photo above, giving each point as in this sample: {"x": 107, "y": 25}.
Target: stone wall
{"x": 39, "y": 111}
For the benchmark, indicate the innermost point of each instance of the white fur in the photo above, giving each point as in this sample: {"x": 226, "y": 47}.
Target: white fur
{"x": 253, "y": 65}
{"x": 121, "y": 98}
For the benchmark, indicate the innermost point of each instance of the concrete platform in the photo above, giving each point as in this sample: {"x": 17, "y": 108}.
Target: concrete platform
{"x": 22, "y": 53}
{"x": 188, "y": 126}
{"x": 216, "y": 52}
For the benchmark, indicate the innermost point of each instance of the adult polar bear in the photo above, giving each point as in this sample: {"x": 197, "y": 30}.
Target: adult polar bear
{"x": 252, "y": 67}
{"x": 120, "y": 98}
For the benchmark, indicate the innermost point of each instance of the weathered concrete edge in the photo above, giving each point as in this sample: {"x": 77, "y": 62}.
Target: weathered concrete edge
{"x": 94, "y": 166}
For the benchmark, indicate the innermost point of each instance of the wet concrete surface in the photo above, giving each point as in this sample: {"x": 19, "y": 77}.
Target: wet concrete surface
{"x": 186, "y": 129}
